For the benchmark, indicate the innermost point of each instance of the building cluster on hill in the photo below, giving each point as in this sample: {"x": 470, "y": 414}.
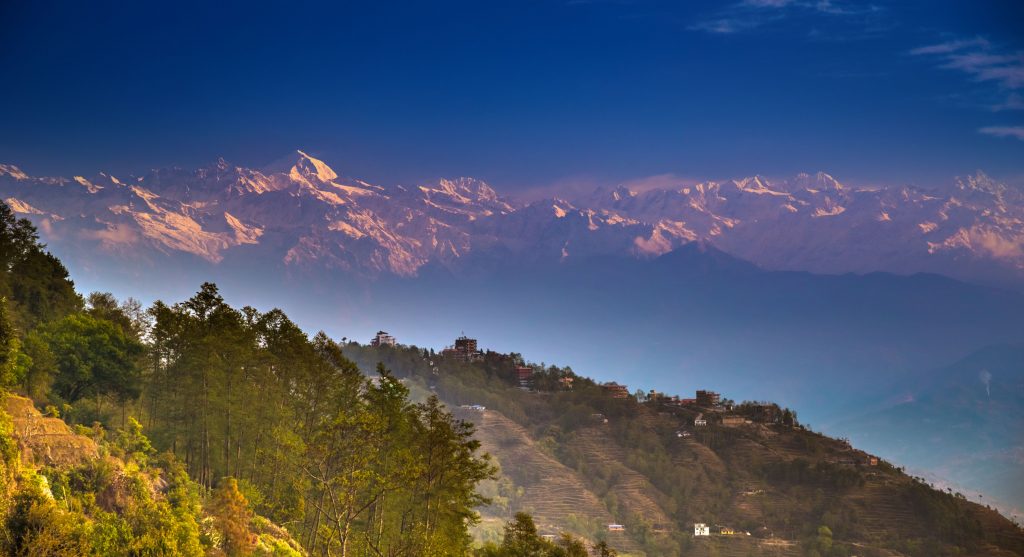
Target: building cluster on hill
{"x": 704, "y": 399}
{"x": 464, "y": 350}
{"x": 708, "y": 399}
{"x": 383, "y": 339}
{"x": 701, "y": 529}
{"x": 615, "y": 390}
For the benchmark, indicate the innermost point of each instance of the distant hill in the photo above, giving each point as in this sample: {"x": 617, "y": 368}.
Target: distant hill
{"x": 966, "y": 420}
{"x": 580, "y": 459}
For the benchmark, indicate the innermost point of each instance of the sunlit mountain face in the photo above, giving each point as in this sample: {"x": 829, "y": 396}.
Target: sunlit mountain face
{"x": 298, "y": 213}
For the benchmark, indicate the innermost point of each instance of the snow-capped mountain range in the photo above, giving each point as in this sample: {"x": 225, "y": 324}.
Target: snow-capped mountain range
{"x": 300, "y": 213}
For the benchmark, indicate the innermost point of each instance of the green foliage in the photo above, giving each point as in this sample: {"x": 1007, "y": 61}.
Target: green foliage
{"x": 37, "y": 526}
{"x": 349, "y": 464}
{"x": 945, "y": 516}
{"x": 133, "y": 445}
{"x": 34, "y": 282}
{"x": 802, "y": 472}
{"x": 602, "y": 550}
{"x": 9, "y": 369}
{"x": 522, "y": 540}
{"x": 232, "y": 516}
{"x": 41, "y": 366}
{"x": 94, "y": 357}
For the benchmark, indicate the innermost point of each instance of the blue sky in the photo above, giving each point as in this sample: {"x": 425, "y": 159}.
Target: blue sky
{"x": 524, "y": 94}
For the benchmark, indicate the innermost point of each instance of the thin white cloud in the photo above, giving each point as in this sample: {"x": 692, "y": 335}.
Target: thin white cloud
{"x": 1004, "y": 131}
{"x": 1005, "y": 69}
{"x": 950, "y": 46}
{"x": 748, "y": 15}
{"x": 984, "y": 63}
{"x": 767, "y": 3}
{"x": 1014, "y": 101}
{"x": 728, "y": 25}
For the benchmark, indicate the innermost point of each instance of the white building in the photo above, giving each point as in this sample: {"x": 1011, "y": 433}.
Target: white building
{"x": 701, "y": 529}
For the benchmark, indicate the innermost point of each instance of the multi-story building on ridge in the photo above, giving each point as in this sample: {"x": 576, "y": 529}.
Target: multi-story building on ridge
{"x": 465, "y": 344}
{"x": 383, "y": 339}
{"x": 708, "y": 399}
{"x": 524, "y": 377}
{"x": 615, "y": 390}
{"x": 464, "y": 350}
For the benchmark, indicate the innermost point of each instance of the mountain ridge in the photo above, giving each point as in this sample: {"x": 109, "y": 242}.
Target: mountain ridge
{"x": 302, "y": 213}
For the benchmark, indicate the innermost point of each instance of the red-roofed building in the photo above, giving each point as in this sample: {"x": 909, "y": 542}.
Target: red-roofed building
{"x": 524, "y": 375}
{"x": 615, "y": 390}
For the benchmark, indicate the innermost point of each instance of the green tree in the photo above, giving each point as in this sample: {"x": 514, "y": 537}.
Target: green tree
{"x": 41, "y": 368}
{"x": 232, "y": 516}
{"x": 11, "y": 372}
{"x": 35, "y": 283}
{"x": 572, "y": 547}
{"x": 134, "y": 444}
{"x": 521, "y": 538}
{"x": 823, "y": 542}
{"x": 602, "y": 549}
{"x": 94, "y": 357}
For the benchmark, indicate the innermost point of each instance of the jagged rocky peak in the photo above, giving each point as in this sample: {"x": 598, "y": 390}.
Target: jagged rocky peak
{"x": 13, "y": 172}
{"x": 355, "y": 225}
{"x": 758, "y": 184}
{"x": 463, "y": 193}
{"x": 300, "y": 165}
{"x": 621, "y": 192}
{"x": 753, "y": 182}
{"x": 607, "y": 196}
{"x": 465, "y": 187}
{"x": 980, "y": 182}
{"x": 819, "y": 181}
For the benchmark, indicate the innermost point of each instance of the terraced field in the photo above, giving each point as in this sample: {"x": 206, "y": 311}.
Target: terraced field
{"x": 719, "y": 480}
{"x": 743, "y": 546}
{"x": 634, "y": 492}
{"x": 554, "y": 494}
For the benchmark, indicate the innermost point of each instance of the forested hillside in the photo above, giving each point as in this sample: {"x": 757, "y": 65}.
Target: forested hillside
{"x": 640, "y": 462}
{"x": 207, "y": 419}
{"x": 198, "y": 428}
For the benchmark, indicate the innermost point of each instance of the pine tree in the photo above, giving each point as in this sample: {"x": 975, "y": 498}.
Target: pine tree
{"x": 232, "y": 517}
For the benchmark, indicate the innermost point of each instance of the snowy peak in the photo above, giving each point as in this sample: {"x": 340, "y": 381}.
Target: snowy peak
{"x": 300, "y": 167}
{"x": 818, "y": 182}
{"x": 13, "y": 172}
{"x": 757, "y": 185}
{"x": 465, "y": 196}
{"x": 299, "y": 213}
{"x": 477, "y": 190}
{"x": 980, "y": 182}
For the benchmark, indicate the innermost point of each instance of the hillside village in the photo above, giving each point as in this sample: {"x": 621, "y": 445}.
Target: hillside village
{"x": 653, "y": 473}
